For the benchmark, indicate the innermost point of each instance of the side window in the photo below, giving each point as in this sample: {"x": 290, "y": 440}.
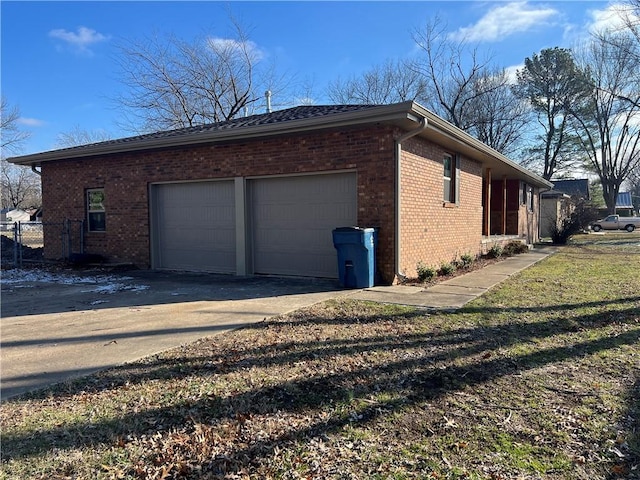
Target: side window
{"x": 96, "y": 216}
{"x": 526, "y": 196}
{"x": 449, "y": 178}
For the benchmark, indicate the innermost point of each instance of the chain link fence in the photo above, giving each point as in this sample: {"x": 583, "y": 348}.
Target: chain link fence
{"x": 24, "y": 241}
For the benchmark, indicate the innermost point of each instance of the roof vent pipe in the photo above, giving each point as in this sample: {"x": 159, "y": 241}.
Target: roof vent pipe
{"x": 268, "y": 95}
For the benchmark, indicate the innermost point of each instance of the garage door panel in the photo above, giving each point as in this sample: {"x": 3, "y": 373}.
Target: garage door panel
{"x": 195, "y": 227}
{"x": 292, "y": 221}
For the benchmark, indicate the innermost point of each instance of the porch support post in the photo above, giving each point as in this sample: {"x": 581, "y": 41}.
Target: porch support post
{"x": 487, "y": 203}
{"x": 504, "y": 205}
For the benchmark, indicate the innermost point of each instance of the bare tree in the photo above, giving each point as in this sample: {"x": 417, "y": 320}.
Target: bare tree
{"x": 79, "y": 136}
{"x": 551, "y": 82}
{"x": 609, "y": 121}
{"x": 20, "y": 186}
{"x": 390, "y": 82}
{"x": 12, "y": 136}
{"x": 451, "y": 69}
{"x": 625, "y": 38}
{"x": 172, "y": 83}
{"x": 467, "y": 90}
{"x": 498, "y": 116}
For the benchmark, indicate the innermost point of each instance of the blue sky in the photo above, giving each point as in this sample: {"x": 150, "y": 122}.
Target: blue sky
{"x": 59, "y": 59}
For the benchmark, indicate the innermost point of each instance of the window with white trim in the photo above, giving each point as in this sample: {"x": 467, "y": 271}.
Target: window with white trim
{"x": 96, "y": 214}
{"x": 450, "y": 178}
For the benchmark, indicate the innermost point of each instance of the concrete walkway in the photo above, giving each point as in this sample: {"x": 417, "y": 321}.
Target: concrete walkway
{"x": 75, "y": 324}
{"x": 456, "y": 292}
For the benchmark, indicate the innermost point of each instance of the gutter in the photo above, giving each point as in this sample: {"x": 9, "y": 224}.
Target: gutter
{"x": 398, "y": 157}
{"x": 460, "y": 136}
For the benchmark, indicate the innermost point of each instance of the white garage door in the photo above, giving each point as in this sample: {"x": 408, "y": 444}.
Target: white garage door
{"x": 292, "y": 219}
{"x": 194, "y": 226}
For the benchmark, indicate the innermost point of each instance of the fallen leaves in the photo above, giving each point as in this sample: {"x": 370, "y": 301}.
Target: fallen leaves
{"x": 351, "y": 390}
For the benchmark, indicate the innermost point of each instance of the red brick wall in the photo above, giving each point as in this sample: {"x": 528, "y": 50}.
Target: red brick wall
{"x": 432, "y": 232}
{"x": 126, "y": 178}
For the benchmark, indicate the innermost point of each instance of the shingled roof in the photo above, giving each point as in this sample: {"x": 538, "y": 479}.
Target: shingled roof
{"x": 405, "y": 115}
{"x": 623, "y": 200}
{"x": 280, "y": 116}
{"x": 578, "y": 187}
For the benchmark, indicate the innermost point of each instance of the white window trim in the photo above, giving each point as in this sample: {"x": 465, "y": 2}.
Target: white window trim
{"x": 100, "y": 207}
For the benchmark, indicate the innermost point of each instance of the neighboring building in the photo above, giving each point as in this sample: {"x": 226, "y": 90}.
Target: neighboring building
{"x": 13, "y": 215}
{"x": 577, "y": 188}
{"x": 262, "y": 194}
{"x": 557, "y": 204}
{"x": 554, "y": 208}
{"x": 624, "y": 204}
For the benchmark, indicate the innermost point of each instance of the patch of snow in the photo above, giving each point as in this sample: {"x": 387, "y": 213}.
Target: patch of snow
{"x": 103, "y": 283}
{"x": 117, "y": 287}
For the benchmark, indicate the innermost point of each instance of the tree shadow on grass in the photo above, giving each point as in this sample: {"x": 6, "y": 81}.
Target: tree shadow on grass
{"x": 282, "y": 353}
{"x": 426, "y": 366}
{"x": 628, "y": 447}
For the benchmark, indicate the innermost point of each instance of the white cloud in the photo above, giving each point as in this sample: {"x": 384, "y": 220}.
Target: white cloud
{"x": 229, "y": 44}
{"x": 611, "y": 18}
{"x": 81, "y": 40}
{"x": 505, "y": 20}
{"x": 511, "y": 73}
{"x": 30, "y": 122}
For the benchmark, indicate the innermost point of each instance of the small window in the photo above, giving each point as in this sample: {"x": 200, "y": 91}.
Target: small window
{"x": 450, "y": 179}
{"x": 530, "y": 198}
{"x": 96, "y": 215}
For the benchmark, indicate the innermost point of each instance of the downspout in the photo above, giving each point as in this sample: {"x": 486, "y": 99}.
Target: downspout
{"x": 398, "y": 155}
{"x": 33, "y": 169}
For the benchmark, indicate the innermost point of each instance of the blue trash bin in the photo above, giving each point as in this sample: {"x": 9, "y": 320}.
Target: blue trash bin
{"x": 356, "y": 256}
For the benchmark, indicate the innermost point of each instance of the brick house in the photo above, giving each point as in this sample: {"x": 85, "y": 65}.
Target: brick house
{"x": 261, "y": 194}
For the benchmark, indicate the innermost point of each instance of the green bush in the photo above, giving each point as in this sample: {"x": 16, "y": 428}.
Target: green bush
{"x": 467, "y": 260}
{"x": 514, "y": 248}
{"x": 425, "y": 272}
{"x": 446, "y": 268}
{"x": 495, "y": 251}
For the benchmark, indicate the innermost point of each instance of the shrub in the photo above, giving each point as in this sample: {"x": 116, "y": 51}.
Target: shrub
{"x": 446, "y": 268}
{"x": 514, "y": 248}
{"x": 467, "y": 260}
{"x": 425, "y": 272}
{"x": 495, "y": 251}
{"x": 582, "y": 214}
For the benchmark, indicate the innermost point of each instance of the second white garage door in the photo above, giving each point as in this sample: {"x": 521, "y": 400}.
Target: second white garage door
{"x": 292, "y": 219}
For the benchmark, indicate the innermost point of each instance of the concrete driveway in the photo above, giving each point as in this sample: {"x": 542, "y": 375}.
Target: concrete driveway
{"x": 57, "y": 326}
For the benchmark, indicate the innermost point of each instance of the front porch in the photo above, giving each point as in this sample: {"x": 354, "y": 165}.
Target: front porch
{"x": 508, "y": 210}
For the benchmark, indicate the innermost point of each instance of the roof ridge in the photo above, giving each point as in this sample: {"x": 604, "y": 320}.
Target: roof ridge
{"x": 276, "y": 116}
